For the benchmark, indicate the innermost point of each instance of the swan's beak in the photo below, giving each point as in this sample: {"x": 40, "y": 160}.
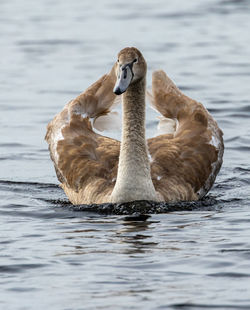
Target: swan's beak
{"x": 124, "y": 78}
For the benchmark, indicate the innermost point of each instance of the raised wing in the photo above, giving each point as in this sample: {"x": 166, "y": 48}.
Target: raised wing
{"x": 85, "y": 161}
{"x": 187, "y": 154}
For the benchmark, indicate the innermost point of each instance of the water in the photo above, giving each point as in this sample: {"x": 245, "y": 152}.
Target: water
{"x": 52, "y": 257}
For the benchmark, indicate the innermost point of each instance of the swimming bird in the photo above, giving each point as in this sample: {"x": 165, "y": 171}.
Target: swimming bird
{"x": 179, "y": 164}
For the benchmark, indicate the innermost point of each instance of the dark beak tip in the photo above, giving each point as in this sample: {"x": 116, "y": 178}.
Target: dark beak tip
{"x": 118, "y": 91}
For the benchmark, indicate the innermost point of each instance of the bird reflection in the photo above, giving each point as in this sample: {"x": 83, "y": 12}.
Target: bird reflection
{"x": 137, "y": 235}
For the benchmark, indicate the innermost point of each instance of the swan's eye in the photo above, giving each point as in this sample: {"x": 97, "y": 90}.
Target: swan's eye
{"x": 118, "y": 60}
{"x": 135, "y": 60}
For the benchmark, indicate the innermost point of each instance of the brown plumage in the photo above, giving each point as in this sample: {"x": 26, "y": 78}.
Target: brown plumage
{"x": 184, "y": 159}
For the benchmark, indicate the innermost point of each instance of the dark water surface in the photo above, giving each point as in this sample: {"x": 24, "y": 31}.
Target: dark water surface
{"x": 52, "y": 257}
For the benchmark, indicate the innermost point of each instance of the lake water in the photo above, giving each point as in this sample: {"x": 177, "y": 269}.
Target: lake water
{"x": 52, "y": 257}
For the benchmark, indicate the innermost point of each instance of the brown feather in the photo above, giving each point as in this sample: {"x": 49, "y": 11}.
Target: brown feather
{"x": 89, "y": 163}
{"x": 183, "y": 162}
{"x": 85, "y": 162}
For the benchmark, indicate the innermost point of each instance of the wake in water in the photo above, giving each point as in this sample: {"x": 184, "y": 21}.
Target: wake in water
{"x": 147, "y": 207}
{"x": 44, "y": 192}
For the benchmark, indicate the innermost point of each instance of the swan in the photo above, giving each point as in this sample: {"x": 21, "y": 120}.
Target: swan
{"x": 179, "y": 164}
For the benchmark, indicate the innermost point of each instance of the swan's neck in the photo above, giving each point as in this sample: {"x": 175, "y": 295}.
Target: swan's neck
{"x": 133, "y": 179}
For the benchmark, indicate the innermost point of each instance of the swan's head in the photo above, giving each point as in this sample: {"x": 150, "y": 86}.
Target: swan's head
{"x": 130, "y": 68}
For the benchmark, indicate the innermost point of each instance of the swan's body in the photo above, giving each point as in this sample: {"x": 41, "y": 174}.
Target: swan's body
{"x": 179, "y": 164}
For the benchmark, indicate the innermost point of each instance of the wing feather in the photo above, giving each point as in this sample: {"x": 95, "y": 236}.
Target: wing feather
{"x": 85, "y": 161}
{"x": 184, "y": 163}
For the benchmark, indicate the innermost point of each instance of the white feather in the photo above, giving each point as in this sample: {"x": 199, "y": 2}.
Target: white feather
{"x": 166, "y": 125}
{"x": 214, "y": 141}
{"x": 108, "y": 122}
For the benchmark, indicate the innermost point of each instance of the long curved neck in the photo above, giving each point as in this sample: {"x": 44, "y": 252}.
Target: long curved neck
{"x": 133, "y": 178}
{"x": 133, "y": 144}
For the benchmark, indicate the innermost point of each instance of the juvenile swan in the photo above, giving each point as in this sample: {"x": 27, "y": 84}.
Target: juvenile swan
{"x": 181, "y": 163}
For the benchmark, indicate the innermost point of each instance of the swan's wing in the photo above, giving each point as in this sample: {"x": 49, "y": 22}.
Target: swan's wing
{"x": 85, "y": 161}
{"x": 187, "y": 154}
